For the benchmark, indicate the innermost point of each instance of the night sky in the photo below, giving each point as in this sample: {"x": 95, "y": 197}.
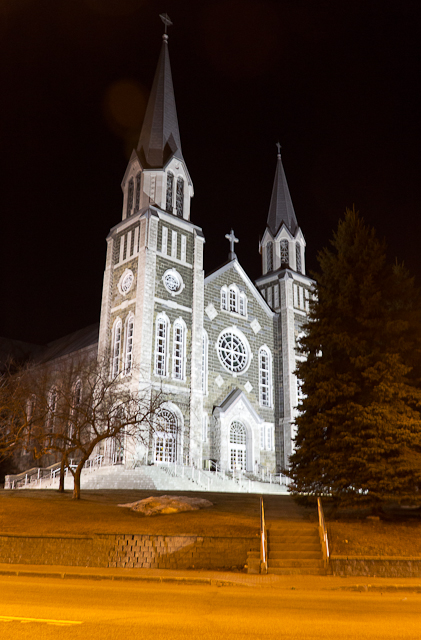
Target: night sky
{"x": 337, "y": 82}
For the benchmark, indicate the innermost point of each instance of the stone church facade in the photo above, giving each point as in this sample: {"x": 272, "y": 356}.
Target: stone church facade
{"x": 219, "y": 348}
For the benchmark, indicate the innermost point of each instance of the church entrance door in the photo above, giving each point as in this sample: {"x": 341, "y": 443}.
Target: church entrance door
{"x": 238, "y": 446}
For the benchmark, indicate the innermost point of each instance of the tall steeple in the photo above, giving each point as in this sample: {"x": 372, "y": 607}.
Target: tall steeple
{"x": 157, "y": 173}
{"x": 281, "y": 208}
{"x": 160, "y": 137}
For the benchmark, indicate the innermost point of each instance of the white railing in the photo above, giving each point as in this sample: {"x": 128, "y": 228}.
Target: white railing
{"x": 38, "y": 477}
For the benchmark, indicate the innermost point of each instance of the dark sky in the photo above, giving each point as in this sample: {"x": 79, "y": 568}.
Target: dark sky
{"x": 337, "y": 82}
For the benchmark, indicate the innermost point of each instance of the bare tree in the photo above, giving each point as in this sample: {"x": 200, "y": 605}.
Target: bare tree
{"x": 67, "y": 409}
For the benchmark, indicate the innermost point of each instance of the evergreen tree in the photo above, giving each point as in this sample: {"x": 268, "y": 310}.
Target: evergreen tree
{"x": 359, "y": 429}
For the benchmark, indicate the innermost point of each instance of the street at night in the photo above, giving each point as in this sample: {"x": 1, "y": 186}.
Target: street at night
{"x": 51, "y": 608}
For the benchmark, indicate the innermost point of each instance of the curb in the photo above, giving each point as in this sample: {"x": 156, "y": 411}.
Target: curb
{"x": 380, "y": 588}
{"x": 120, "y": 578}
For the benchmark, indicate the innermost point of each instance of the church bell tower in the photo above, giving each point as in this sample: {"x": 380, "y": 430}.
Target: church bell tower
{"x": 152, "y": 304}
{"x": 287, "y": 290}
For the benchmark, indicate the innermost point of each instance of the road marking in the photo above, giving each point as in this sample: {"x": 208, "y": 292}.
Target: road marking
{"x": 46, "y": 620}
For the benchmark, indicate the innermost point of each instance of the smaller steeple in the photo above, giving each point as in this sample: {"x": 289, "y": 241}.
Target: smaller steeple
{"x": 160, "y": 137}
{"x": 281, "y": 209}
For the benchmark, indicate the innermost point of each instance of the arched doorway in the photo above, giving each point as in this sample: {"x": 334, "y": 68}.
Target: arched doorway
{"x": 238, "y": 446}
{"x": 166, "y": 436}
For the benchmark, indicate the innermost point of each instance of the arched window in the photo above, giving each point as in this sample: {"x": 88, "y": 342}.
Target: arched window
{"x": 179, "y": 200}
{"x": 224, "y": 304}
{"x": 238, "y": 443}
{"x": 161, "y": 345}
{"x": 205, "y": 347}
{"x": 233, "y": 299}
{"x": 170, "y": 189}
{"x": 298, "y": 258}
{"x": 128, "y": 351}
{"x": 166, "y": 436}
{"x": 130, "y": 193}
{"x": 265, "y": 377}
{"x": 179, "y": 350}
{"x": 52, "y": 409}
{"x": 284, "y": 253}
{"x": 115, "y": 367}
{"x": 77, "y": 394}
{"x": 269, "y": 257}
{"x": 137, "y": 203}
{"x": 76, "y": 402}
{"x": 243, "y": 304}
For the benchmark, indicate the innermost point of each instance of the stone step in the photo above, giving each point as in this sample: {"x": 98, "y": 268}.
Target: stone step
{"x": 302, "y": 536}
{"x": 292, "y": 563}
{"x": 308, "y": 555}
{"x": 296, "y": 547}
{"x": 297, "y": 571}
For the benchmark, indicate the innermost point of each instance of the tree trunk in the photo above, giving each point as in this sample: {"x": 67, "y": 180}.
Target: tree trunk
{"x": 62, "y": 465}
{"x": 76, "y": 482}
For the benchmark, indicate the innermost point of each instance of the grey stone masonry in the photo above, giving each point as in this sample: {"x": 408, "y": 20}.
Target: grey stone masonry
{"x": 128, "y": 551}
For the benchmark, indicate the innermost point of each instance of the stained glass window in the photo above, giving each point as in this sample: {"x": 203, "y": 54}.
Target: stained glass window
{"x": 179, "y": 201}
{"x": 130, "y": 194}
{"x": 170, "y": 188}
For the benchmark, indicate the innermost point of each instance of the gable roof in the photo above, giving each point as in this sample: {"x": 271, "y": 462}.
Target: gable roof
{"x": 81, "y": 339}
{"x": 235, "y": 396}
{"x": 235, "y": 265}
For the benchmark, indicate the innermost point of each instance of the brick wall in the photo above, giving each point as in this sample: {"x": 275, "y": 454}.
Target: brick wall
{"x": 132, "y": 551}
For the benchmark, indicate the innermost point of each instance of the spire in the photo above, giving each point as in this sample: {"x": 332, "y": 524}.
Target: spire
{"x": 281, "y": 208}
{"x": 160, "y": 138}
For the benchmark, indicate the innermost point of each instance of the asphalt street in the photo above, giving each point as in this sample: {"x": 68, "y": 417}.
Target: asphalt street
{"x": 45, "y": 608}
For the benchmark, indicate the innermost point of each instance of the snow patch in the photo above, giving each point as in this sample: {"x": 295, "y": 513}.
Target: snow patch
{"x": 167, "y": 504}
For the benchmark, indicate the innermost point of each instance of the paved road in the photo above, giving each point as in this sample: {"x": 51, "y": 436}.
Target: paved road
{"x": 41, "y": 608}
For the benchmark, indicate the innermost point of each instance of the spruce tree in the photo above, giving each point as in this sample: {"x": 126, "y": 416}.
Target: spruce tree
{"x": 359, "y": 429}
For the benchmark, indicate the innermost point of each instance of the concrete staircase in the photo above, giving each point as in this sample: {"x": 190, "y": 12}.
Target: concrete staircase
{"x": 295, "y": 550}
{"x": 294, "y": 545}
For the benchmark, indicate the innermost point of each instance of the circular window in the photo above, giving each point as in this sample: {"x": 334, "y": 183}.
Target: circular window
{"x": 233, "y": 351}
{"x": 126, "y": 281}
{"x": 173, "y": 282}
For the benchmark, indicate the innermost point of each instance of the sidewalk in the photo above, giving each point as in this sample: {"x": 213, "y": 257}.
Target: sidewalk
{"x": 217, "y": 578}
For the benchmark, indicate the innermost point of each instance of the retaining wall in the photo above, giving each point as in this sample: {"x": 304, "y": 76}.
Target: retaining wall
{"x": 134, "y": 551}
{"x": 388, "y": 567}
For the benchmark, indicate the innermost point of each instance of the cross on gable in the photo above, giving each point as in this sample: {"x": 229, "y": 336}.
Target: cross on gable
{"x": 232, "y": 240}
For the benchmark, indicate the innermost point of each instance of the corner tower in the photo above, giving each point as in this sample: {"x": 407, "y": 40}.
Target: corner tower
{"x": 152, "y": 302}
{"x": 287, "y": 290}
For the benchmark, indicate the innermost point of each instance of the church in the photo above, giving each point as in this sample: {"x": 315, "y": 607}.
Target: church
{"x": 220, "y": 349}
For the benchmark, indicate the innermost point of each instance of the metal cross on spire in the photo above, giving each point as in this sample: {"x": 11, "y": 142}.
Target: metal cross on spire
{"x": 232, "y": 240}
{"x": 167, "y": 22}
{"x": 278, "y": 146}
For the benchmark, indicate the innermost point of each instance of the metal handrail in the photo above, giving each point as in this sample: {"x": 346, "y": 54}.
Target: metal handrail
{"x": 263, "y": 539}
{"x": 323, "y": 531}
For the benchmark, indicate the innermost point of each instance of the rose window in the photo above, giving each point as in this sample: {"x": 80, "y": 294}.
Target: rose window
{"x": 232, "y": 351}
{"x": 126, "y": 281}
{"x": 173, "y": 282}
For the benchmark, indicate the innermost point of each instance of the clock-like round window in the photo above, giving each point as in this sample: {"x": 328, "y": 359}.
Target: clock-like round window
{"x": 126, "y": 281}
{"x": 233, "y": 351}
{"x": 173, "y": 282}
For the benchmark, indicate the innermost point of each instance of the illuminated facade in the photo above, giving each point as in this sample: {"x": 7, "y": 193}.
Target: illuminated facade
{"x": 220, "y": 348}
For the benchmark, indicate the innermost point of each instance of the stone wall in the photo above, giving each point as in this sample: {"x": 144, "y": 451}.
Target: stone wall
{"x": 387, "y": 567}
{"x": 132, "y": 551}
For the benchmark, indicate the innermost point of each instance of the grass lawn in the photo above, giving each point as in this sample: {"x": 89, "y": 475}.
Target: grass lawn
{"x": 352, "y": 534}
{"x": 48, "y": 512}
